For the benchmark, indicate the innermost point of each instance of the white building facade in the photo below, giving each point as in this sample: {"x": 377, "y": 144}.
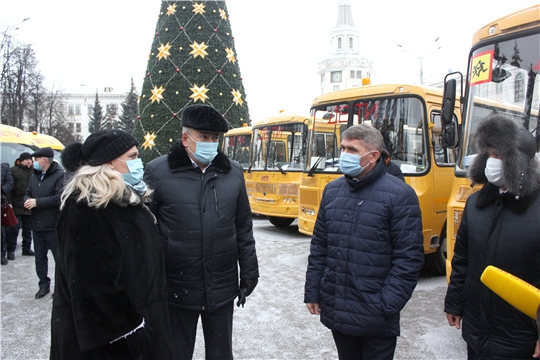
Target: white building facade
{"x": 345, "y": 67}
{"x": 79, "y": 107}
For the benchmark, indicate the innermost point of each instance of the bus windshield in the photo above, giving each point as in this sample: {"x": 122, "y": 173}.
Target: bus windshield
{"x": 503, "y": 77}
{"x": 279, "y": 147}
{"x": 236, "y": 147}
{"x": 399, "y": 119}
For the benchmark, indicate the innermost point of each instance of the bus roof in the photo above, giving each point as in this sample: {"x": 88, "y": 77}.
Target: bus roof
{"x": 518, "y": 21}
{"x": 279, "y": 119}
{"x": 245, "y": 130}
{"x": 42, "y": 140}
{"x": 10, "y": 134}
{"x": 375, "y": 91}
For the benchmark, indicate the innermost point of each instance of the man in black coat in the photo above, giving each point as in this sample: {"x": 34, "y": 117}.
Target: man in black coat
{"x": 205, "y": 224}
{"x": 21, "y": 172}
{"x": 500, "y": 226}
{"x": 7, "y": 184}
{"x": 43, "y": 198}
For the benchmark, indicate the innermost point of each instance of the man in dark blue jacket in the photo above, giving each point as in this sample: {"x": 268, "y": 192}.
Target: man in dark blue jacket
{"x": 43, "y": 198}
{"x": 366, "y": 251}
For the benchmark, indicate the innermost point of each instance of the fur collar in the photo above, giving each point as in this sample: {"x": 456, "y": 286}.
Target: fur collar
{"x": 489, "y": 193}
{"x": 178, "y": 159}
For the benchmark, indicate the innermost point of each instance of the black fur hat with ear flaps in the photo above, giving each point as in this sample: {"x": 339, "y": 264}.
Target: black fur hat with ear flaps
{"x": 517, "y": 148}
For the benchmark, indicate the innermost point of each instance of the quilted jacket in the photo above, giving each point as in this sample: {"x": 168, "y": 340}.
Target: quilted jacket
{"x": 366, "y": 253}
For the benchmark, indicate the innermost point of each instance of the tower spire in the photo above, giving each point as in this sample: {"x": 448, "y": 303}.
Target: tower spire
{"x": 344, "y": 15}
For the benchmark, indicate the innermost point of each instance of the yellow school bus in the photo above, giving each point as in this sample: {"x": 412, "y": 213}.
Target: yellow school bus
{"x": 14, "y": 141}
{"x": 236, "y": 145}
{"x": 503, "y": 76}
{"x": 409, "y": 118}
{"x": 278, "y": 159}
{"x": 43, "y": 140}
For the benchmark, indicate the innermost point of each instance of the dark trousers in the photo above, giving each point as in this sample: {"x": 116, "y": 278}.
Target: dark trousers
{"x": 43, "y": 242}
{"x": 3, "y": 241}
{"x": 217, "y": 329}
{"x": 12, "y": 233}
{"x": 364, "y": 347}
{"x": 471, "y": 354}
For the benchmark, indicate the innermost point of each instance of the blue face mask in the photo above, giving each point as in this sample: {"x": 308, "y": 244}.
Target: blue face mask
{"x": 205, "y": 152}
{"x": 37, "y": 166}
{"x": 136, "y": 171}
{"x": 350, "y": 164}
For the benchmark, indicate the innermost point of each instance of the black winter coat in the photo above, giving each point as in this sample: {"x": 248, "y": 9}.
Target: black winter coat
{"x": 504, "y": 232}
{"x": 109, "y": 276}
{"x": 21, "y": 179}
{"x": 47, "y": 193}
{"x": 366, "y": 253}
{"x": 7, "y": 179}
{"x": 205, "y": 224}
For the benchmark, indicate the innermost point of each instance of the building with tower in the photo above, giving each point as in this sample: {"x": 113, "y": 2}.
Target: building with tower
{"x": 345, "y": 67}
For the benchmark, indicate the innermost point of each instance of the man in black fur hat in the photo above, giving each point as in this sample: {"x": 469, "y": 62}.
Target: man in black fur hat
{"x": 205, "y": 223}
{"x": 43, "y": 198}
{"x": 500, "y": 227}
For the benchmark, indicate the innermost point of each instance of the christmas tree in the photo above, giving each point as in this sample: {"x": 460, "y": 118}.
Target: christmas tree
{"x": 192, "y": 60}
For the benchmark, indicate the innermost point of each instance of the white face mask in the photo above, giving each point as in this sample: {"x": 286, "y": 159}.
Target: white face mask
{"x": 494, "y": 171}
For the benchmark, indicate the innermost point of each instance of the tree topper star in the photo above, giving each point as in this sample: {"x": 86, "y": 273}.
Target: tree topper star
{"x": 198, "y": 49}
{"x": 164, "y": 51}
{"x": 237, "y": 97}
{"x": 198, "y": 8}
{"x": 149, "y": 140}
{"x": 199, "y": 93}
{"x": 157, "y": 94}
{"x": 230, "y": 55}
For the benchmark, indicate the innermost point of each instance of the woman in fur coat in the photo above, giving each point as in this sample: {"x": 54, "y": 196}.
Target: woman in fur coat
{"x": 110, "y": 290}
{"x": 500, "y": 227}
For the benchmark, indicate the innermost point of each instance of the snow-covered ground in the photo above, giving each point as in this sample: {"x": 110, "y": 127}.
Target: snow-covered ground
{"x": 274, "y": 324}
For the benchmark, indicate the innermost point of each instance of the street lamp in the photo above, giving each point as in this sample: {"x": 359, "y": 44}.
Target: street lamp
{"x": 421, "y": 58}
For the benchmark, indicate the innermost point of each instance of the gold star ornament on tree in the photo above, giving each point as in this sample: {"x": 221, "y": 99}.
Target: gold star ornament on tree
{"x": 230, "y": 55}
{"x": 237, "y": 97}
{"x": 157, "y": 94}
{"x": 171, "y": 9}
{"x": 198, "y": 49}
{"x": 164, "y": 51}
{"x": 199, "y": 93}
{"x": 198, "y": 8}
{"x": 149, "y": 140}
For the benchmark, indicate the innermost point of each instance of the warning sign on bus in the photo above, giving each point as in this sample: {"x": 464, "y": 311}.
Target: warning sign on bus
{"x": 481, "y": 68}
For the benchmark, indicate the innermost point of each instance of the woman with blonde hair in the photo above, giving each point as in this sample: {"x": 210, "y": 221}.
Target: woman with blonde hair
{"x": 110, "y": 290}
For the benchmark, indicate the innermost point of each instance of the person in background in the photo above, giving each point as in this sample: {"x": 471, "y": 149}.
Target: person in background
{"x": 110, "y": 297}
{"x": 43, "y": 198}
{"x": 391, "y": 167}
{"x": 500, "y": 227}
{"x": 366, "y": 251}
{"x": 21, "y": 172}
{"x": 7, "y": 185}
{"x": 205, "y": 223}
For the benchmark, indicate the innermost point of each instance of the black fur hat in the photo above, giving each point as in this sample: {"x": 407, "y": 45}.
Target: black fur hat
{"x": 43, "y": 152}
{"x": 204, "y": 118}
{"x": 517, "y": 148}
{"x": 99, "y": 148}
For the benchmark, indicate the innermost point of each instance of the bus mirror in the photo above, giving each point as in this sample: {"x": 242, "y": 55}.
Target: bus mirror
{"x": 449, "y": 101}
{"x": 449, "y": 135}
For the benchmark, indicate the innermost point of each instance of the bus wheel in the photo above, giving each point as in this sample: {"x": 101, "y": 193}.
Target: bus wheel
{"x": 436, "y": 262}
{"x": 280, "y": 222}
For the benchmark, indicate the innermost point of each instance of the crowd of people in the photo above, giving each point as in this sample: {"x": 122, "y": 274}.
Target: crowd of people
{"x": 143, "y": 252}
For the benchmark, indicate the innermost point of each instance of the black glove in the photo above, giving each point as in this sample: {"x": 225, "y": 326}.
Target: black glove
{"x": 246, "y": 288}
{"x": 138, "y": 343}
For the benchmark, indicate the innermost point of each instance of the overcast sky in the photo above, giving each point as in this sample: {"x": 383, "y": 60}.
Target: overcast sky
{"x": 84, "y": 45}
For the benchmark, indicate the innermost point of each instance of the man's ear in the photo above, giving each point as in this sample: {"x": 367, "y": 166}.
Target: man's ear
{"x": 184, "y": 139}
